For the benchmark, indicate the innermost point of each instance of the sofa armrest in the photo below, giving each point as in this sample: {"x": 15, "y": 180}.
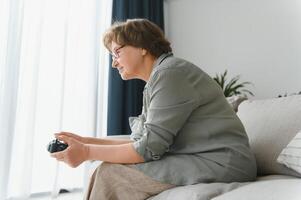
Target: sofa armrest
{"x": 118, "y": 137}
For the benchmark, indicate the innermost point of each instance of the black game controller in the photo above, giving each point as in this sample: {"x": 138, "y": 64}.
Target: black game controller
{"x": 56, "y": 145}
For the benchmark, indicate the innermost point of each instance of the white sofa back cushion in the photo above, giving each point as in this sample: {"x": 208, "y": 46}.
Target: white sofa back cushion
{"x": 271, "y": 124}
{"x": 291, "y": 154}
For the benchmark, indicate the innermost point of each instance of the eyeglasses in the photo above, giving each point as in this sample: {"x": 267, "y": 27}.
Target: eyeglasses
{"x": 115, "y": 53}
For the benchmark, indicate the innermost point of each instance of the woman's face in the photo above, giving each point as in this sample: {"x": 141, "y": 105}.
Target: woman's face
{"x": 128, "y": 60}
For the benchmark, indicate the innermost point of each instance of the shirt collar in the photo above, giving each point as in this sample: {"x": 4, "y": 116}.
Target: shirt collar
{"x": 158, "y": 62}
{"x": 161, "y": 58}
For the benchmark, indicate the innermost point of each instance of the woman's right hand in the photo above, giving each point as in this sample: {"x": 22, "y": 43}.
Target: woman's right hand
{"x": 71, "y": 135}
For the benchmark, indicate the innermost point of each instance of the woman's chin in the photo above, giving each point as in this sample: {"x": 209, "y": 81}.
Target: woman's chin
{"x": 124, "y": 77}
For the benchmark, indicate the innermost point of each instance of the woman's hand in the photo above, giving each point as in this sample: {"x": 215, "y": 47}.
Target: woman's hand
{"x": 71, "y": 135}
{"x": 76, "y": 152}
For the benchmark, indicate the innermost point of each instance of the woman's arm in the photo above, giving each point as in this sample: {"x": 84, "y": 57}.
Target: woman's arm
{"x": 92, "y": 140}
{"x": 106, "y": 141}
{"x": 122, "y": 153}
{"x": 78, "y": 152}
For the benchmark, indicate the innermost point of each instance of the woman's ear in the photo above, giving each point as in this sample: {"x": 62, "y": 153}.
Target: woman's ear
{"x": 144, "y": 52}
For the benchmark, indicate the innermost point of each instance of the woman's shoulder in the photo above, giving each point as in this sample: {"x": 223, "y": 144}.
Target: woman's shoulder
{"x": 178, "y": 68}
{"x": 178, "y": 71}
{"x": 177, "y": 65}
{"x": 182, "y": 72}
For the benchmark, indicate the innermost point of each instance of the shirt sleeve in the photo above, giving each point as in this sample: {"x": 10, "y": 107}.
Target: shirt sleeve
{"x": 136, "y": 125}
{"x": 172, "y": 98}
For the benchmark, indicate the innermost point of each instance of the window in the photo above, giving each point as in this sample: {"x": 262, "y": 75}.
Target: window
{"x": 59, "y": 82}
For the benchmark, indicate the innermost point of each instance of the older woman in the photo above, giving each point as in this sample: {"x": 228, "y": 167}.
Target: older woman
{"x": 187, "y": 132}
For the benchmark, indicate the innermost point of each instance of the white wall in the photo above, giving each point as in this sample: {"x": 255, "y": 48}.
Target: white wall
{"x": 259, "y": 39}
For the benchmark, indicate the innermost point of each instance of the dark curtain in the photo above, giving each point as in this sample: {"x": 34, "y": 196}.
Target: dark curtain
{"x": 125, "y": 97}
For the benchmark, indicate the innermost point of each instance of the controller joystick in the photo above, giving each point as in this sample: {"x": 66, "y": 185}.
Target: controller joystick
{"x": 56, "y": 145}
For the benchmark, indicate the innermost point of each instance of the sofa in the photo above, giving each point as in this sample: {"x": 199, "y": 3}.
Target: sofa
{"x": 271, "y": 125}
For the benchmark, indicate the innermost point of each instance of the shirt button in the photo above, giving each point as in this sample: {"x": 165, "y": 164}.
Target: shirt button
{"x": 156, "y": 157}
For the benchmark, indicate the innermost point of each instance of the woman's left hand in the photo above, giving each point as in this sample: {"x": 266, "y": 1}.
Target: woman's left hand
{"x": 74, "y": 155}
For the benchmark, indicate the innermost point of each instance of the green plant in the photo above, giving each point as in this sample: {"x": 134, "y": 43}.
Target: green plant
{"x": 233, "y": 87}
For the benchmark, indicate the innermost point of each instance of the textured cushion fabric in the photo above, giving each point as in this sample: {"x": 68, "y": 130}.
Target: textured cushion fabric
{"x": 290, "y": 156}
{"x": 201, "y": 191}
{"x": 271, "y": 124}
{"x": 267, "y": 188}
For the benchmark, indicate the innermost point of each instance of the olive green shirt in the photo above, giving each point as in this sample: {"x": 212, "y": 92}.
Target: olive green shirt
{"x": 187, "y": 132}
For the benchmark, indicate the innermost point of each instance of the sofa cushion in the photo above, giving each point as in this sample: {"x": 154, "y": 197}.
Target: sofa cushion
{"x": 290, "y": 156}
{"x": 201, "y": 191}
{"x": 267, "y": 188}
{"x": 271, "y": 124}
